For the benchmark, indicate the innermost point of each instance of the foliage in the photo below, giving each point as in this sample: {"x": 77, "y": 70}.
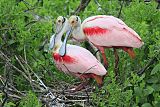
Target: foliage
{"x": 30, "y": 101}
{"x": 25, "y": 25}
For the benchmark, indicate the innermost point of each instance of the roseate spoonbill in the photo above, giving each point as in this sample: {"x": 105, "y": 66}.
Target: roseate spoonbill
{"x": 77, "y": 61}
{"x": 105, "y": 32}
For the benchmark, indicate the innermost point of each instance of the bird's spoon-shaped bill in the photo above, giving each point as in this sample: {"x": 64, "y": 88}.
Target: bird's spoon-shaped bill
{"x": 62, "y": 50}
{"x": 52, "y": 41}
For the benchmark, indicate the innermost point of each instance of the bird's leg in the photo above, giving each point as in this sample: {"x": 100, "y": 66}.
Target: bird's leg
{"x": 79, "y": 87}
{"x": 129, "y": 51}
{"x": 82, "y": 85}
{"x": 104, "y": 57}
{"x": 116, "y": 62}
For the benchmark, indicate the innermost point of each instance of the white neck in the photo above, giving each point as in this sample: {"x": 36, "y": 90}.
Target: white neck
{"x": 78, "y": 33}
{"x": 58, "y": 41}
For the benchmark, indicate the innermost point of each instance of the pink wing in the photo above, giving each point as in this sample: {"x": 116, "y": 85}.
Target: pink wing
{"x": 110, "y": 31}
{"x": 80, "y": 60}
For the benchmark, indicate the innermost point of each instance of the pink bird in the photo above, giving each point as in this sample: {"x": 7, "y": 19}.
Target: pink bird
{"x": 106, "y": 32}
{"x": 76, "y": 61}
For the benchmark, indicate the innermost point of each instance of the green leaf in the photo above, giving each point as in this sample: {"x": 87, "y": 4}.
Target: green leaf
{"x": 10, "y": 42}
{"x": 138, "y": 91}
{"x": 10, "y": 104}
{"x": 146, "y": 105}
{"x": 157, "y": 104}
{"x": 155, "y": 69}
{"x": 156, "y": 87}
{"x": 153, "y": 80}
{"x": 142, "y": 77}
{"x": 148, "y": 90}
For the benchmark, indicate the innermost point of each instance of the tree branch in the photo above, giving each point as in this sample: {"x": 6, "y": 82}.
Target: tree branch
{"x": 3, "y": 89}
{"x": 83, "y": 4}
{"x": 120, "y": 11}
{"x": 151, "y": 62}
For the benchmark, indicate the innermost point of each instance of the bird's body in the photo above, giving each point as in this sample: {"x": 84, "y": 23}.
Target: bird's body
{"x": 106, "y": 32}
{"x": 77, "y": 61}
{"x": 109, "y": 31}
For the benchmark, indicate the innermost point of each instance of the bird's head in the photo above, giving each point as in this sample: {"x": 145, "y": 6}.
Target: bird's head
{"x": 61, "y": 27}
{"x": 61, "y": 24}
{"x": 74, "y": 21}
{"x": 74, "y": 25}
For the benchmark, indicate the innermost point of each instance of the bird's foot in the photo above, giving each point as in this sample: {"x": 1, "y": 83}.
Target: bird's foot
{"x": 78, "y": 88}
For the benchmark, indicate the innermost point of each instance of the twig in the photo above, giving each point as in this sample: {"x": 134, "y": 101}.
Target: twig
{"x": 72, "y": 101}
{"x": 100, "y": 7}
{"x": 83, "y": 4}
{"x": 44, "y": 68}
{"x": 96, "y": 1}
{"x": 3, "y": 90}
{"x": 32, "y": 22}
{"x": 87, "y": 96}
{"x": 8, "y": 61}
{"x": 41, "y": 47}
{"x": 14, "y": 96}
{"x": 120, "y": 11}
{"x": 46, "y": 93}
{"x": 89, "y": 69}
{"x": 26, "y": 71}
{"x": 6, "y": 29}
{"x": 158, "y": 6}
{"x": 25, "y": 56}
{"x": 41, "y": 82}
{"x": 25, "y": 2}
{"x": 152, "y": 61}
{"x": 147, "y": 66}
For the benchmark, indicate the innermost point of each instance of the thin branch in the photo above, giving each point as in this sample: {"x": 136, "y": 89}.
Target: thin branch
{"x": 83, "y": 4}
{"x": 100, "y": 7}
{"x": 89, "y": 69}
{"x": 151, "y": 62}
{"x": 46, "y": 93}
{"x": 31, "y": 22}
{"x": 41, "y": 82}
{"x": 120, "y": 11}
{"x": 25, "y": 56}
{"x": 96, "y": 1}
{"x": 3, "y": 90}
{"x": 24, "y": 69}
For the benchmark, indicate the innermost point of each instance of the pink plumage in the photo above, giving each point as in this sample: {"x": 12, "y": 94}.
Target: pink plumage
{"x": 106, "y": 32}
{"x": 78, "y": 60}
{"x": 115, "y": 32}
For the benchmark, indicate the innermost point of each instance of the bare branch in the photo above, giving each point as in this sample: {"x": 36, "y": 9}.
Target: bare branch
{"x": 151, "y": 62}
{"x": 3, "y": 90}
{"x": 83, "y": 4}
{"x": 120, "y": 11}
